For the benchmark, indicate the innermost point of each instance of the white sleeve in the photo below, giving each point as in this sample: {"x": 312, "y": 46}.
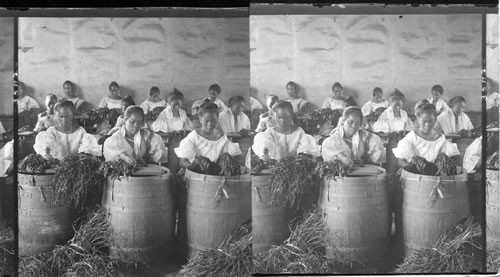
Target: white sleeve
{"x": 405, "y": 149}
{"x": 89, "y": 145}
{"x": 450, "y": 149}
{"x": 381, "y": 125}
{"x": 112, "y": 148}
{"x": 366, "y": 109}
{"x": 376, "y": 150}
{"x": 187, "y": 148}
{"x": 233, "y": 148}
{"x": 44, "y": 141}
{"x": 33, "y": 104}
{"x": 472, "y": 155}
{"x": 145, "y": 107}
{"x": 261, "y": 142}
{"x": 157, "y": 150}
{"x": 331, "y": 148}
{"x": 160, "y": 124}
{"x": 103, "y": 103}
{"x": 308, "y": 145}
{"x": 246, "y": 122}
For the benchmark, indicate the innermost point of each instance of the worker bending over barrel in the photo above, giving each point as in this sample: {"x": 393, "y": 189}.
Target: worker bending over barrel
{"x": 348, "y": 142}
{"x": 67, "y": 137}
{"x": 285, "y": 139}
{"x": 132, "y": 142}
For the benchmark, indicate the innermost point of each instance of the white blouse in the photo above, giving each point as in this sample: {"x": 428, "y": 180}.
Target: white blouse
{"x": 472, "y": 155}
{"x": 446, "y": 123}
{"x": 109, "y": 103}
{"x": 167, "y": 122}
{"x": 228, "y": 124}
{"x": 281, "y": 146}
{"x": 298, "y": 104}
{"x": 371, "y": 106}
{"x": 334, "y": 104}
{"x": 148, "y": 106}
{"x": 6, "y": 157}
{"x": 45, "y": 122}
{"x": 412, "y": 145}
{"x": 195, "y": 145}
{"x": 388, "y": 123}
{"x": 26, "y": 103}
{"x": 59, "y": 144}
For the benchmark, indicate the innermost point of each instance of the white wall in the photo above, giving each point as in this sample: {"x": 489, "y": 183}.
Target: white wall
{"x": 6, "y": 65}
{"x": 492, "y": 49}
{"x": 412, "y": 53}
{"x": 187, "y": 53}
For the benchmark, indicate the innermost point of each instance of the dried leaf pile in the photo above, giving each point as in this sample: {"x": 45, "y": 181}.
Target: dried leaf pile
{"x": 335, "y": 169}
{"x": 443, "y": 166}
{"x": 458, "y": 250}
{"x": 493, "y": 260}
{"x": 303, "y": 251}
{"x": 7, "y": 258}
{"x": 84, "y": 255}
{"x": 226, "y": 165}
{"x": 101, "y": 115}
{"x": 36, "y": 164}
{"x": 118, "y": 168}
{"x": 374, "y": 115}
{"x": 322, "y": 116}
{"x": 232, "y": 258}
{"x": 258, "y": 164}
{"x": 229, "y": 165}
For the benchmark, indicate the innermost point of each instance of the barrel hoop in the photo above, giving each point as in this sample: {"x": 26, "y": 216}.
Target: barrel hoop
{"x": 221, "y": 191}
{"x": 42, "y": 195}
{"x": 259, "y": 196}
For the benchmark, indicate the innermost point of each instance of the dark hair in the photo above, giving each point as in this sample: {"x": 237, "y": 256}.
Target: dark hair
{"x": 113, "y": 84}
{"x": 438, "y": 88}
{"x": 65, "y": 104}
{"x": 214, "y": 87}
{"x": 337, "y": 84}
{"x": 352, "y": 110}
{"x": 426, "y": 108}
{"x": 208, "y": 107}
{"x": 396, "y": 95}
{"x": 285, "y": 105}
{"x": 457, "y": 99}
{"x": 68, "y": 82}
{"x": 377, "y": 90}
{"x": 175, "y": 95}
{"x": 153, "y": 90}
{"x": 128, "y": 101}
{"x": 236, "y": 99}
{"x": 131, "y": 110}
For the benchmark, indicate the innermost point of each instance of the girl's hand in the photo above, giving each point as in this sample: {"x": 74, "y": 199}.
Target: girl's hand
{"x": 344, "y": 159}
{"x": 126, "y": 158}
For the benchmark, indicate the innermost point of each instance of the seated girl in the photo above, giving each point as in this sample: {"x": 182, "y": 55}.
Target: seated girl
{"x": 113, "y": 101}
{"x": 81, "y": 105}
{"x": 377, "y": 101}
{"x": 285, "y": 139}
{"x": 120, "y": 121}
{"x": 454, "y": 120}
{"x": 234, "y": 120}
{"x": 66, "y": 137}
{"x": 46, "y": 119}
{"x": 207, "y": 141}
{"x": 394, "y": 118}
{"x": 336, "y": 100}
{"x": 133, "y": 143}
{"x": 424, "y": 141}
{"x": 348, "y": 142}
{"x": 437, "y": 92}
{"x": 173, "y": 117}
{"x": 299, "y": 104}
{"x": 214, "y": 92}
{"x": 266, "y": 120}
{"x": 153, "y": 101}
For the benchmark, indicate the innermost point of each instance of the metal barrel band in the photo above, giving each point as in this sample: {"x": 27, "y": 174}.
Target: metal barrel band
{"x": 436, "y": 193}
{"x": 42, "y": 194}
{"x": 259, "y": 196}
{"x": 221, "y": 190}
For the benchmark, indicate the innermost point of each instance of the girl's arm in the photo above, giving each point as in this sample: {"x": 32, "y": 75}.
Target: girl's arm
{"x": 184, "y": 163}
{"x": 403, "y": 163}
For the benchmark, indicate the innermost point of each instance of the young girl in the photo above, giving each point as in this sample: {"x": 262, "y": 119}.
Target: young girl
{"x": 67, "y": 137}
{"x": 437, "y": 92}
{"x": 234, "y": 120}
{"x": 154, "y": 101}
{"x": 213, "y": 96}
{"x": 207, "y": 141}
{"x": 492, "y": 98}
{"x": 285, "y": 139}
{"x": 120, "y": 121}
{"x": 454, "y": 120}
{"x": 348, "y": 142}
{"x": 132, "y": 142}
{"x": 394, "y": 118}
{"x": 266, "y": 120}
{"x": 377, "y": 101}
{"x": 336, "y": 100}
{"x": 424, "y": 141}
{"x": 173, "y": 117}
{"x": 299, "y": 104}
{"x": 81, "y": 105}
{"x": 46, "y": 119}
{"x": 113, "y": 101}
{"x": 25, "y": 102}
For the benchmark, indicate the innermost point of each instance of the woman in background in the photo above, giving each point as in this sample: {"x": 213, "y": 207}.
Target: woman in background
{"x": 153, "y": 101}
{"x": 173, "y": 117}
{"x": 376, "y": 102}
{"x": 81, "y": 105}
{"x": 113, "y": 101}
{"x": 454, "y": 120}
{"x": 266, "y": 120}
{"x": 348, "y": 142}
{"x": 214, "y": 92}
{"x": 394, "y": 118}
{"x": 47, "y": 119}
{"x": 435, "y": 99}
{"x": 120, "y": 121}
{"x": 285, "y": 139}
{"x": 207, "y": 141}
{"x": 25, "y": 102}
{"x": 234, "y": 120}
{"x": 336, "y": 101}
{"x": 133, "y": 143}
{"x": 299, "y": 104}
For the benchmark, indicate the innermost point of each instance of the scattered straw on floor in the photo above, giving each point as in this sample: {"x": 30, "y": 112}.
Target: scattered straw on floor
{"x": 6, "y": 248}
{"x": 303, "y": 251}
{"x": 232, "y": 258}
{"x": 457, "y": 250}
{"x": 493, "y": 260}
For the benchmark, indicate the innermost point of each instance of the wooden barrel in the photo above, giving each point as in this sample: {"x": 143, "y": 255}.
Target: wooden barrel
{"x": 431, "y": 205}
{"x": 42, "y": 223}
{"x": 269, "y": 224}
{"x": 356, "y": 214}
{"x": 475, "y": 193}
{"x": 462, "y": 144}
{"x": 141, "y": 215}
{"x": 215, "y": 206}
{"x": 6, "y": 198}
{"x": 493, "y": 208}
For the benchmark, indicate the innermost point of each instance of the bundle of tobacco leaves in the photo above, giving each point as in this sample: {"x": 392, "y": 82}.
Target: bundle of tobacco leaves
{"x": 290, "y": 178}
{"x": 445, "y": 165}
{"x": 78, "y": 180}
{"x": 233, "y": 257}
{"x": 119, "y": 168}
{"x": 327, "y": 115}
{"x": 101, "y": 115}
{"x": 458, "y": 250}
{"x": 335, "y": 168}
{"x": 397, "y": 136}
{"x": 204, "y": 165}
{"x": 492, "y": 162}
{"x": 258, "y": 164}
{"x": 153, "y": 115}
{"x": 35, "y": 163}
{"x": 229, "y": 165}
{"x": 176, "y": 136}
{"x": 374, "y": 115}
{"x": 86, "y": 254}
{"x": 419, "y": 165}
{"x": 304, "y": 251}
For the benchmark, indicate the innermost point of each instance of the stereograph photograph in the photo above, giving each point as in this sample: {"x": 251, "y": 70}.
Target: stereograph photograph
{"x": 266, "y": 140}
